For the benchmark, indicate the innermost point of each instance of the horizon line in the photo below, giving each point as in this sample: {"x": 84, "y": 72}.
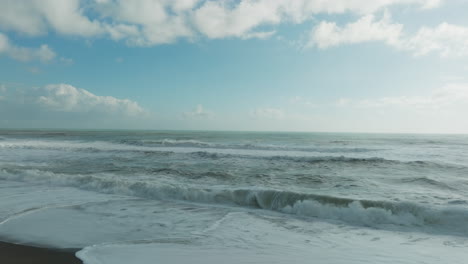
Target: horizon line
{"x": 240, "y": 131}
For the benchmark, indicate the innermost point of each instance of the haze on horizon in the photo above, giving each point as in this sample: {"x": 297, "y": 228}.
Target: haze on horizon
{"x": 255, "y": 65}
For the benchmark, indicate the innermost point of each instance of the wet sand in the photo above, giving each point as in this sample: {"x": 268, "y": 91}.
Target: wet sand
{"x": 18, "y": 254}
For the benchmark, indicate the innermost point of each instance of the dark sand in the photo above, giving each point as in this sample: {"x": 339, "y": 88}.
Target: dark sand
{"x": 18, "y": 254}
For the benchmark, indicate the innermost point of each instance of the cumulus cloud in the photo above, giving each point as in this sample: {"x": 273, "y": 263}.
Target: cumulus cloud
{"x": 66, "y": 98}
{"x": 360, "y": 6}
{"x": 161, "y": 21}
{"x": 147, "y": 22}
{"x": 225, "y": 18}
{"x": 219, "y": 20}
{"x": 36, "y": 17}
{"x": 63, "y": 105}
{"x": 152, "y": 22}
{"x": 198, "y": 113}
{"x": 366, "y": 29}
{"x": 42, "y": 53}
{"x": 446, "y": 39}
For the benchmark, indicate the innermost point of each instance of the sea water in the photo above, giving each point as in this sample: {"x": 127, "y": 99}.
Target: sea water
{"x": 237, "y": 197}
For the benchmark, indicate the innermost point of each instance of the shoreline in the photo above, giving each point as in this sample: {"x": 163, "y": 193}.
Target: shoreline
{"x": 11, "y": 253}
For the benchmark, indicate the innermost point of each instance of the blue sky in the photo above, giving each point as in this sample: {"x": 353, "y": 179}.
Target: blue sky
{"x": 347, "y": 66}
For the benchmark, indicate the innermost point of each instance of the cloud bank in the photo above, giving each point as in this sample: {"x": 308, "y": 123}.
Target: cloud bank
{"x": 152, "y": 22}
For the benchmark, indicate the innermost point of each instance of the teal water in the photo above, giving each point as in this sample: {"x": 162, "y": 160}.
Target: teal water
{"x": 394, "y": 183}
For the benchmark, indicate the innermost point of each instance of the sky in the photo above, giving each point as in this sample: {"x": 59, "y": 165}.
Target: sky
{"x": 388, "y": 66}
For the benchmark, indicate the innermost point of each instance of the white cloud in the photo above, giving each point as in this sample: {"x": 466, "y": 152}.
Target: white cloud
{"x": 146, "y": 22}
{"x": 65, "y": 106}
{"x": 447, "y": 40}
{"x": 66, "y": 98}
{"x": 361, "y": 6}
{"x": 198, "y": 113}
{"x": 268, "y": 113}
{"x": 216, "y": 19}
{"x": 151, "y": 22}
{"x": 35, "y": 17}
{"x": 43, "y": 53}
{"x": 220, "y": 19}
{"x": 366, "y": 29}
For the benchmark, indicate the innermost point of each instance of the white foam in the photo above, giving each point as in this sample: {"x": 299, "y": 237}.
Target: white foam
{"x": 81, "y": 220}
{"x": 353, "y": 213}
{"x": 377, "y": 214}
{"x": 17, "y": 198}
{"x": 246, "y": 238}
{"x": 126, "y": 230}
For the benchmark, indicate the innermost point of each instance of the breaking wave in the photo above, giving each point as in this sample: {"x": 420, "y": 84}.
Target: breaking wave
{"x": 453, "y": 220}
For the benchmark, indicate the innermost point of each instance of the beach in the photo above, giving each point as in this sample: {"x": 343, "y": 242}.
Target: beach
{"x": 20, "y": 254}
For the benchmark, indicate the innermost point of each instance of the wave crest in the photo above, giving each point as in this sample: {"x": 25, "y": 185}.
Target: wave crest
{"x": 353, "y": 211}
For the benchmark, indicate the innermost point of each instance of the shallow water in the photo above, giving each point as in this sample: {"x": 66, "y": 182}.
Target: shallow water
{"x": 247, "y": 197}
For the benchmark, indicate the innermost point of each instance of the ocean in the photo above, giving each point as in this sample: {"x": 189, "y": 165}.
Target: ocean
{"x": 237, "y": 197}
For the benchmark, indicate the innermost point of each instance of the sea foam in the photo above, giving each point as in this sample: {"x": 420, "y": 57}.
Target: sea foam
{"x": 371, "y": 213}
